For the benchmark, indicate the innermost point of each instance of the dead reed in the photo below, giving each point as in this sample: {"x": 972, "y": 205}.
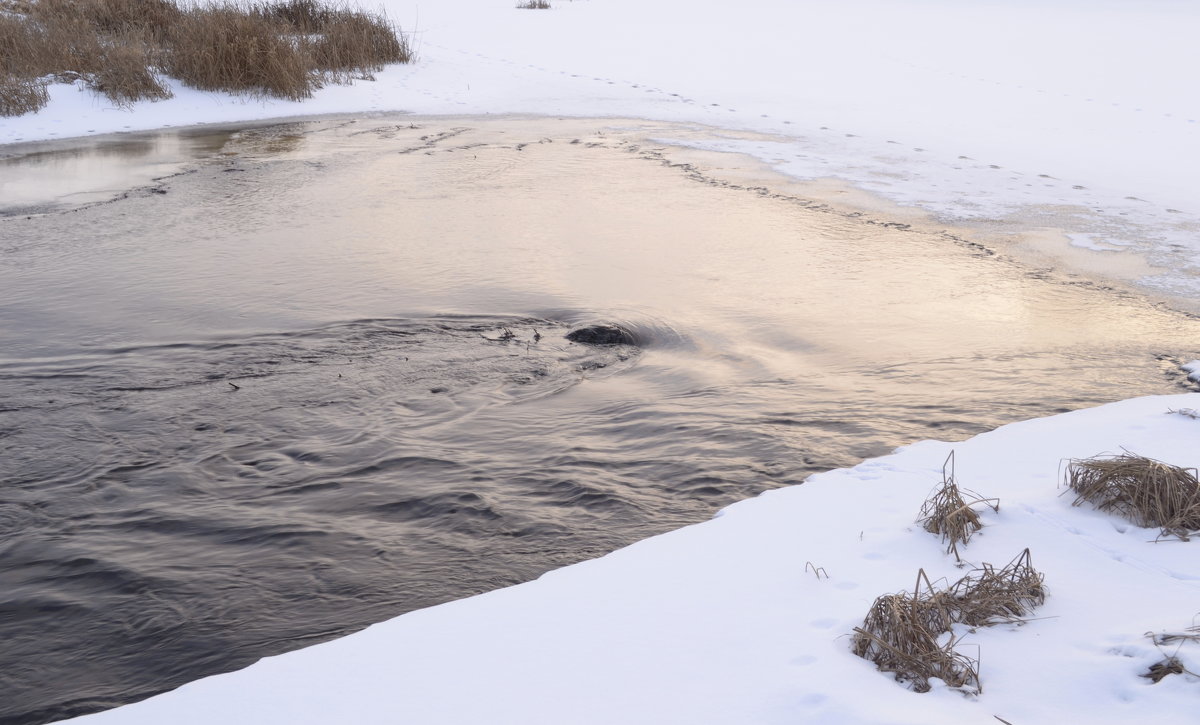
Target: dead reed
{"x": 1171, "y": 663}
{"x": 949, "y": 515}
{"x": 1149, "y": 493}
{"x": 357, "y": 43}
{"x": 225, "y": 48}
{"x": 21, "y": 95}
{"x": 1159, "y": 670}
{"x": 901, "y": 635}
{"x": 989, "y": 596}
{"x": 910, "y": 634}
{"x": 126, "y": 76}
{"x": 306, "y": 16}
{"x": 121, "y": 48}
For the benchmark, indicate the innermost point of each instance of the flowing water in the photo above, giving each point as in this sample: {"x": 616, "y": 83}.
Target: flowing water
{"x": 263, "y": 387}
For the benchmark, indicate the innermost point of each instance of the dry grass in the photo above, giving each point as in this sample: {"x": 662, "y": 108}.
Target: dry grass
{"x": 989, "y": 596}
{"x": 909, "y": 634}
{"x": 1149, "y": 493}
{"x": 1159, "y": 670}
{"x": 306, "y": 16}
{"x": 19, "y": 96}
{"x": 121, "y": 47}
{"x": 949, "y": 515}
{"x": 126, "y": 76}
{"x": 358, "y": 43}
{"x": 1171, "y": 663}
{"x": 1160, "y": 638}
{"x": 226, "y": 48}
{"x": 901, "y": 635}
{"x": 533, "y": 5}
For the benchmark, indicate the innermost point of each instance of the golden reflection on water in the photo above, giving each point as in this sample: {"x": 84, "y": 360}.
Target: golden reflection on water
{"x": 95, "y": 171}
{"x": 319, "y": 221}
{"x": 501, "y": 211}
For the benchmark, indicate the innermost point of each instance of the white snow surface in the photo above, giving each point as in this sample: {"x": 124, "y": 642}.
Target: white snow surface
{"x": 1069, "y": 114}
{"x": 721, "y": 623}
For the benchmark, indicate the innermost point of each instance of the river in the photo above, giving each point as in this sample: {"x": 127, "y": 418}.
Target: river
{"x": 264, "y": 386}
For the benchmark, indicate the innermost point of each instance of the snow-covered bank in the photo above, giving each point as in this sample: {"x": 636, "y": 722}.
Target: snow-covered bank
{"x": 1068, "y": 115}
{"x": 721, "y": 623}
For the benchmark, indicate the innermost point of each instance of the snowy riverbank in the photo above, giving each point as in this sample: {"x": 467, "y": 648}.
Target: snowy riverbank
{"x": 721, "y": 623}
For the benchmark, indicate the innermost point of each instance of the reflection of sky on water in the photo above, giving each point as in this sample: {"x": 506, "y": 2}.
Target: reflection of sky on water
{"x": 53, "y": 176}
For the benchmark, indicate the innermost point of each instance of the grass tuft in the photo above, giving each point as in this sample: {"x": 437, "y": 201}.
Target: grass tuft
{"x": 533, "y": 5}
{"x": 19, "y": 96}
{"x": 1147, "y": 492}
{"x": 1159, "y": 670}
{"x": 225, "y": 48}
{"x": 357, "y": 43}
{"x": 1171, "y": 663}
{"x": 910, "y": 634}
{"x": 306, "y": 16}
{"x": 947, "y": 514}
{"x": 125, "y": 75}
{"x": 122, "y": 48}
{"x": 901, "y": 635}
{"x": 990, "y": 596}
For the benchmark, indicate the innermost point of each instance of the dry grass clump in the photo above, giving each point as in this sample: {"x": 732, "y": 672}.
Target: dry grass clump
{"x": 989, "y": 596}
{"x": 1149, "y": 493}
{"x": 1171, "y": 664}
{"x": 286, "y": 49}
{"x": 109, "y": 44}
{"x": 533, "y": 5}
{"x": 115, "y": 18}
{"x": 909, "y": 634}
{"x": 21, "y": 95}
{"x": 358, "y": 43}
{"x": 306, "y": 16}
{"x": 1159, "y": 670}
{"x": 120, "y": 47}
{"x": 901, "y": 635}
{"x": 125, "y": 76}
{"x": 949, "y": 515}
{"x": 225, "y": 48}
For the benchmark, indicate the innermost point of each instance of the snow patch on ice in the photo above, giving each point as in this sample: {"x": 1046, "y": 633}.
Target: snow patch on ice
{"x": 1090, "y": 241}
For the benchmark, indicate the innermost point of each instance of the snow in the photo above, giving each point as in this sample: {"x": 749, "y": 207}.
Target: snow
{"x": 1027, "y": 115}
{"x": 1089, "y": 241}
{"x": 721, "y": 622}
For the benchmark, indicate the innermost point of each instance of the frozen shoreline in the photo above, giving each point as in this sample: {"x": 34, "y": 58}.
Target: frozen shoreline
{"x": 721, "y": 623}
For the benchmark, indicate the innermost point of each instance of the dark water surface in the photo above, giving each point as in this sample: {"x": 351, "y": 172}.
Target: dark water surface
{"x": 266, "y": 387}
